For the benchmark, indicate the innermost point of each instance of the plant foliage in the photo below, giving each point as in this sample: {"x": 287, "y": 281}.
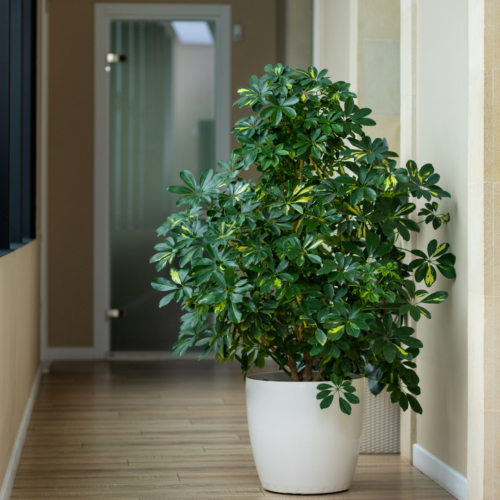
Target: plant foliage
{"x": 307, "y": 265}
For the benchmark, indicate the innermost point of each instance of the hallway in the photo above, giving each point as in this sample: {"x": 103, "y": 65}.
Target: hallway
{"x": 172, "y": 430}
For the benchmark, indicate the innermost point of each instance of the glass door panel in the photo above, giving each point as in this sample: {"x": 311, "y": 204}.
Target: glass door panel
{"x": 161, "y": 122}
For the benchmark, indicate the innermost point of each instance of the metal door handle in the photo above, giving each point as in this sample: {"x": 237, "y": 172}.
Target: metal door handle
{"x": 115, "y": 313}
{"x": 115, "y": 58}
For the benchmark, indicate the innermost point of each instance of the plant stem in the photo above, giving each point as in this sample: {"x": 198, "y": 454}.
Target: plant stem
{"x": 293, "y": 368}
{"x": 307, "y": 376}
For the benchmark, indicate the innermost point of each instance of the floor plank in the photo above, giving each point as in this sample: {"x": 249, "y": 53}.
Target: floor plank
{"x": 169, "y": 430}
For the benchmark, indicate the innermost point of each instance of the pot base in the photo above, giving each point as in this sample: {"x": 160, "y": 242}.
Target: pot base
{"x": 273, "y": 488}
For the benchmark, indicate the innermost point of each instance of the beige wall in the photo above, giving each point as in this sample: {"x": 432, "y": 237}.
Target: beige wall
{"x": 70, "y": 183}
{"x": 335, "y": 39}
{"x": 19, "y": 332}
{"x": 378, "y": 67}
{"x": 298, "y": 34}
{"x": 19, "y": 340}
{"x": 441, "y": 92}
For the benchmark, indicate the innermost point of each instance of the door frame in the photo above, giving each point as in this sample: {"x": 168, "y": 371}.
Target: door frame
{"x": 104, "y": 14}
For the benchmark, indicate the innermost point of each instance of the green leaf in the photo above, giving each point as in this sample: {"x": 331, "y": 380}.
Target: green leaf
{"x": 324, "y": 387}
{"x": 403, "y": 402}
{"x": 415, "y": 405}
{"x": 179, "y": 190}
{"x": 188, "y": 178}
{"x": 389, "y": 352}
{"x": 345, "y": 407}
{"x": 372, "y": 242}
{"x": 167, "y": 299}
{"x": 323, "y": 394}
{"x": 396, "y": 395}
{"x": 234, "y": 313}
{"x": 447, "y": 271}
{"x": 352, "y": 398}
{"x": 326, "y": 403}
{"x": 163, "y": 285}
{"x": 431, "y": 247}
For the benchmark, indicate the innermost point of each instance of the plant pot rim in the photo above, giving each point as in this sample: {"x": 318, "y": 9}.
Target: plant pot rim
{"x": 280, "y": 377}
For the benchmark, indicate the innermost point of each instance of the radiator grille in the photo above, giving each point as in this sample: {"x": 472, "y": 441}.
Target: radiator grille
{"x": 381, "y": 428}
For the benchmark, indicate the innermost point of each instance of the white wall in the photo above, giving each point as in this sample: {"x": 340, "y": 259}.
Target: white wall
{"x": 441, "y": 139}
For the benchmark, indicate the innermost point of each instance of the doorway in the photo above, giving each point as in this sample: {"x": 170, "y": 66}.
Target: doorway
{"x": 162, "y": 106}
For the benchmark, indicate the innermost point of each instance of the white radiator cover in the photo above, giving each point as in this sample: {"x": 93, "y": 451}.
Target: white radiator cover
{"x": 381, "y": 428}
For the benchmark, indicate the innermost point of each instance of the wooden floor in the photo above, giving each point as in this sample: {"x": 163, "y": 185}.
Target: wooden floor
{"x": 170, "y": 430}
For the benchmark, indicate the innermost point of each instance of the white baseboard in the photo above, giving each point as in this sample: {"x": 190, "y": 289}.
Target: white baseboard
{"x": 89, "y": 353}
{"x": 69, "y": 353}
{"x": 153, "y": 356}
{"x": 10, "y": 475}
{"x": 437, "y": 470}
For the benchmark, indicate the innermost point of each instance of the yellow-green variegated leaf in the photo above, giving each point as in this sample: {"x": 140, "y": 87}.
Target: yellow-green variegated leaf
{"x": 406, "y": 209}
{"x": 402, "y": 351}
{"x": 321, "y": 337}
{"x": 314, "y": 245}
{"x": 412, "y": 168}
{"x": 302, "y": 72}
{"x": 243, "y": 126}
{"x": 335, "y": 329}
{"x": 435, "y": 298}
{"x": 420, "y": 293}
{"x": 300, "y": 189}
{"x": 175, "y": 276}
{"x": 359, "y": 156}
{"x": 430, "y": 276}
{"x": 220, "y": 307}
{"x": 425, "y": 312}
{"x": 389, "y": 182}
{"x": 355, "y": 210}
{"x": 441, "y": 249}
{"x": 422, "y": 177}
{"x": 361, "y": 232}
{"x": 336, "y": 332}
{"x": 241, "y": 189}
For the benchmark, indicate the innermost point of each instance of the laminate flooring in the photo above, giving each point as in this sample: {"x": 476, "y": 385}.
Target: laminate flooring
{"x": 165, "y": 430}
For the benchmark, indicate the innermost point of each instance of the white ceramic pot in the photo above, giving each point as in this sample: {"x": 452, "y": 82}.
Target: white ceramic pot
{"x": 299, "y": 448}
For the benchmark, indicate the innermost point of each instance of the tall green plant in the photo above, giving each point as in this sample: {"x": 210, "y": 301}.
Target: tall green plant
{"x": 306, "y": 266}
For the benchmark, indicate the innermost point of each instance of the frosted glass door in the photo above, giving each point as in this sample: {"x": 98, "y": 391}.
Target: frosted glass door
{"x": 161, "y": 122}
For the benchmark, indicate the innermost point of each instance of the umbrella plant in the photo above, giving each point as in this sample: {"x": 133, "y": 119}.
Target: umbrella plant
{"x": 307, "y": 265}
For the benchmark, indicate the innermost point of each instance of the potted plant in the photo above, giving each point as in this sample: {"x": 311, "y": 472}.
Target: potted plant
{"x": 306, "y": 266}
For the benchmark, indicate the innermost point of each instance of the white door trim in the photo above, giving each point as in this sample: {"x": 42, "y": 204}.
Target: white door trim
{"x": 104, "y": 13}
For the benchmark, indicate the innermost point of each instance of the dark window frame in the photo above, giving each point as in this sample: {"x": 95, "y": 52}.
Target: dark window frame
{"x": 18, "y": 54}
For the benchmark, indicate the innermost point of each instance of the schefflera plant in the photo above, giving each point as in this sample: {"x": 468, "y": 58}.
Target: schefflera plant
{"x": 307, "y": 265}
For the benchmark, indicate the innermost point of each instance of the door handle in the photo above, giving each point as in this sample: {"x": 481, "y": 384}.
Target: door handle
{"x": 115, "y": 58}
{"x": 115, "y": 313}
